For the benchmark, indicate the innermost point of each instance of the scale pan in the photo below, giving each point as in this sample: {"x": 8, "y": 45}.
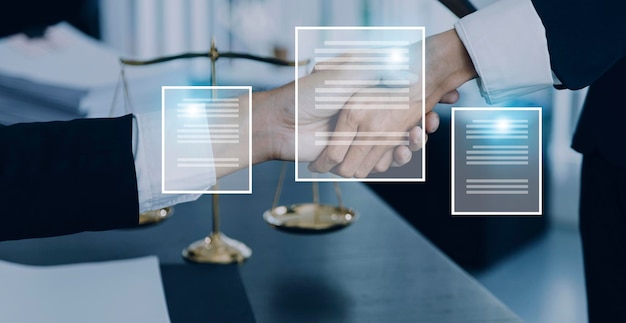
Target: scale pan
{"x": 310, "y": 218}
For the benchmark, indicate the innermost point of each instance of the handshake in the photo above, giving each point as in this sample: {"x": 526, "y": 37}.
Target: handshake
{"x": 355, "y": 131}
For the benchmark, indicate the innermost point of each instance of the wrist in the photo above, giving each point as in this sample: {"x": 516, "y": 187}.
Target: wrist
{"x": 448, "y": 63}
{"x": 261, "y": 129}
{"x": 270, "y": 128}
{"x": 464, "y": 69}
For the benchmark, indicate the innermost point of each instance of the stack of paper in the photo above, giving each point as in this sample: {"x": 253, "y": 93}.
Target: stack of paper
{"x": 49, "y": 78}
{"x": 45, "y": 78}
{"x": 22, "y": 100}
{"x": 66, "y": 75}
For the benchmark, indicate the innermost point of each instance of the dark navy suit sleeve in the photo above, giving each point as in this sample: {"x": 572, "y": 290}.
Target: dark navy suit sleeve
{"x": 65, "y": 177}
{"x": 585, "y": 37}
{"x": 587, "y": 45}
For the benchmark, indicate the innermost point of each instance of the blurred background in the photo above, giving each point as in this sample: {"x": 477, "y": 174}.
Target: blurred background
{"x": 533, "y": 264}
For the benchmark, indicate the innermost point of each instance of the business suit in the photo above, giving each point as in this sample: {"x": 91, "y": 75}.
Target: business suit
{"x": 603, "y": 195}
{"x": 587, "y": 45}
{"x": 66, "y": 177}
{"x": 63, "y": 177}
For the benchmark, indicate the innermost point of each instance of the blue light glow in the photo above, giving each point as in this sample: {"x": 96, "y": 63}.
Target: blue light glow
{"x": 503, "y": 125}
{"x": 396, "y": 57}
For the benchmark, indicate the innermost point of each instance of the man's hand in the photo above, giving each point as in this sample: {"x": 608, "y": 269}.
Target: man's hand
{"x": 448, "y": 66}
{"x": 444, "y": 75}
{"x": 278, "y": 106}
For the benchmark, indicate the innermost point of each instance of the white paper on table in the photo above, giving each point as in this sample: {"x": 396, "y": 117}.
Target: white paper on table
{"x": 114, "y": 291}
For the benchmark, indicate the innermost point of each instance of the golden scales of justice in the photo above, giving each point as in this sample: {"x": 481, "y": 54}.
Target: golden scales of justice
{"x": 298, "y": 218}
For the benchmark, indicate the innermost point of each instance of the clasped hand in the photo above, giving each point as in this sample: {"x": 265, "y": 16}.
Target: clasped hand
{"x": 448, "y": 66}
{"x": 360, "y": 131}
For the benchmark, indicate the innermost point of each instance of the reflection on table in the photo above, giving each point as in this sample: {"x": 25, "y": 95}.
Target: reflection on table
{"x": 379, "y": 269}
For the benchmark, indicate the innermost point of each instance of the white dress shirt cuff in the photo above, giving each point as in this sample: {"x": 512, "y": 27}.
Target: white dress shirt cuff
{"x": 507, "y": 44}
{"x": 148, "y": 168}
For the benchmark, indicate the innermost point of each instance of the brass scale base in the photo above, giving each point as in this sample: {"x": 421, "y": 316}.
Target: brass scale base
{"x": 217, "y": 248}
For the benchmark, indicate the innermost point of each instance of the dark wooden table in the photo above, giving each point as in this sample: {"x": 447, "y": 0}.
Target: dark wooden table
{"x": 378, "y": 270}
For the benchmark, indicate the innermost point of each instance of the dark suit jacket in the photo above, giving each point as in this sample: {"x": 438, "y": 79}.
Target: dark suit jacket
{"x": 587, "y": 44}
{"x": 63, "y": 177}
{"x": 66, "y": 177}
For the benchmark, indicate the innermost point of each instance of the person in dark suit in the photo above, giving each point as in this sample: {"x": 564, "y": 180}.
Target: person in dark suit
{"x": 587, "y": 43}
{"x": 39, "y": 166}
{"x": 81, "y": 175}
{"x": 518, "y": 46}
{"x": 84, "y": 175}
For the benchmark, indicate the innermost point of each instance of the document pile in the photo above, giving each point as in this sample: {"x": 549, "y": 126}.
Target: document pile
{"x": 43, "y": 79}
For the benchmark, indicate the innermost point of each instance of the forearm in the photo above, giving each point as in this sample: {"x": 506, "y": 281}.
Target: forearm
{"x": 448, "y": 66}
{"x": 271, "y": 130}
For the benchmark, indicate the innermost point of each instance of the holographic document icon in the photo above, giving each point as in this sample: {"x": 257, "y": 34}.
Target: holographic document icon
{"x": 496, "y": 161}
{"x": 375, "y": 70}
{"x": 205, "y": 133}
